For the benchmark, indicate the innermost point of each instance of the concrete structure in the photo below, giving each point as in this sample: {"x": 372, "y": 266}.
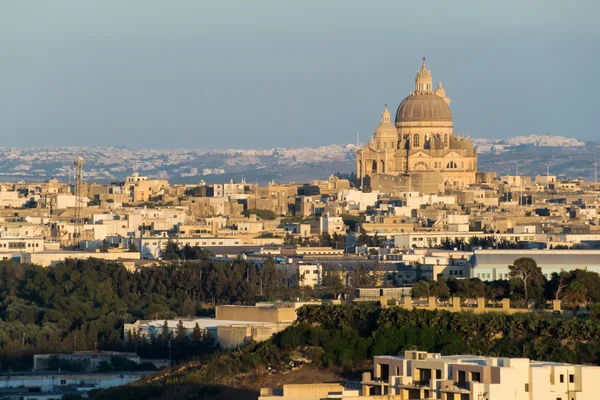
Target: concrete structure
{"x": 331, "y": 225}
{"x": 151, "y": 248}
{"x": 228, "y": 333}
{"x": 409, "y": 240}
{"x": 54, "y": 385}
{"x": 421, "y": 141}
{"x": 317, "y": 391}
{"x": 22, "y": 244}
{"x": 52, "y": 257}
{"x": 476, "y": 306}
{"x": 233, "y": 326}
{"x": 358, "y": 200}
{"x": 428, "y": 376}
{"x": 269, "y": 312}
{"x": 493, "y": 264}
{"x": 89, "y": 361}
{"x": 422, "y": 375}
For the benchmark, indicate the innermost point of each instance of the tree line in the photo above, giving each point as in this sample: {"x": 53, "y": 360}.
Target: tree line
{"x": 83, "y": 304}
{"x": 526, "y": 281}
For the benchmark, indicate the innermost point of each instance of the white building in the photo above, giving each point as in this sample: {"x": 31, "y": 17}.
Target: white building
{"x": 331, "y": 225}
{"x": 489, "y": 265}
{"x": 428, "y": 239}
{"x": 422, "y": 375}
{"x": 358, "y": 200}
{"x": 47, "y": 385}
{"x": 151, "y": 247}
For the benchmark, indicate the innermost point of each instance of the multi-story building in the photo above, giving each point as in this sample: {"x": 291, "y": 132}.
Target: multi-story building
{"x": 429, "y": 376}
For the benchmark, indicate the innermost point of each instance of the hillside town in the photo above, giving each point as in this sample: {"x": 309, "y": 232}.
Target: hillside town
{"x": 462, "y": 232}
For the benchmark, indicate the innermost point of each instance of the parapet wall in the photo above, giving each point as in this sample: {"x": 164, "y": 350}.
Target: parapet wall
{"x": 479, "y": 306}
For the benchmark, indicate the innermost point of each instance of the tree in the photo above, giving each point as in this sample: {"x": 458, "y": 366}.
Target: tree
{"x": 420, "y": 289}
{"x": 104, "y": 248}
{"x": 261, "y": 214}
{"x": 133, "y": 248}
{"x": 575, "y": 295}
{"x": 197, "y": 334}
{"x": 363, "y": 238}
{"x": 171, "y": 251}
{"x": 181, "y": 335}
{"x": 31, "y": 203}
{"x": 165, "y": 334}
{"x": 558, "y": 283}
{"x": 526, "y": 271}
{"x": 440, "y": 289}
{"x": 333, "y": 281}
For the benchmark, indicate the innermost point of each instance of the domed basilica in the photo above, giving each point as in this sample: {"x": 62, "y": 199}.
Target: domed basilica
{"x": 420, "y": 145}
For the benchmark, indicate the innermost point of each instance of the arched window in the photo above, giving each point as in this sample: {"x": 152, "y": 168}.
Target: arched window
{"x": 446, "y": 139}
{"x": 382, "y": 167}
{"x": 374, "y": 166}
{"x": 416, "y": 140}
{"x": 451, "y": 165}
{"x": 392, "y": 145}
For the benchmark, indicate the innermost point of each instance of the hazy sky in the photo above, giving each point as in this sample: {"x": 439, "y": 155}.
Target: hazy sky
{"x": 246, "y": 74}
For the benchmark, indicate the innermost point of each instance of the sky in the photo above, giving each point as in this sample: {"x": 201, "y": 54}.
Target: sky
{"x": 272, "y": 73}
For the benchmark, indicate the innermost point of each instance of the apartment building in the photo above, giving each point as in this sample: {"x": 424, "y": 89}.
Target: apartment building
{"x": 428, "y": 376}
{"x": 422, "y": 375}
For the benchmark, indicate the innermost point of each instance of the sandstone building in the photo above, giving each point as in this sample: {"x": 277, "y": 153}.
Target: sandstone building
{"x": 420, "y": 151}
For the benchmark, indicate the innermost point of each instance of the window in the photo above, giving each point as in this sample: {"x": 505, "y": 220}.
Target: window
{"x": 63, "y": 381}
{"x": 571, "y": 378}
{"x": 527, "y": 387}
{"x": 562, "y": 378}
{"x": 438, "y": 374}
{"x": 416, "y": 140}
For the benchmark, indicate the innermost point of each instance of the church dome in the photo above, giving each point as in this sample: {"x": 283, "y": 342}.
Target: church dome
{"x": 423, "y": 107}
{"x": 466, "y": 144}
{"x": 385, "y": 127}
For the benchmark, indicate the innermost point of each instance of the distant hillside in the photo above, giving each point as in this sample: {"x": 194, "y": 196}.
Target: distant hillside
{"x": 567, "y": 157}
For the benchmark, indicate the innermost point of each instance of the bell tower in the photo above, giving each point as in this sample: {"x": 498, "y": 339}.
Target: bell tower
{"x": 423, "y": 81}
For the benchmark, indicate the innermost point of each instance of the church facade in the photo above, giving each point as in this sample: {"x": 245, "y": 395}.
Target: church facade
{"x": 420, "y": 143}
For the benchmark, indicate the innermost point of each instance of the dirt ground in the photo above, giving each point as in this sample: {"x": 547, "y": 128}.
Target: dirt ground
{"x": 247, "y": 386}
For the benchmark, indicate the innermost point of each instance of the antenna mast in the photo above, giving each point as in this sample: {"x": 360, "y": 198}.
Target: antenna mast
{"x": 78, "y": 200}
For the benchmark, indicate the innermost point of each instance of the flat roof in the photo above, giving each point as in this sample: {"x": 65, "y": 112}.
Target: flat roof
{"x": 203, "y": 323}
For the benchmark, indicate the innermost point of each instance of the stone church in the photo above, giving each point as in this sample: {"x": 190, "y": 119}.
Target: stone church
{"x": 419, "y": 152}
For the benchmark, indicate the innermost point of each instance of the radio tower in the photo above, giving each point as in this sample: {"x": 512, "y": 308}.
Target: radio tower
{"x": 78, "y": 199}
